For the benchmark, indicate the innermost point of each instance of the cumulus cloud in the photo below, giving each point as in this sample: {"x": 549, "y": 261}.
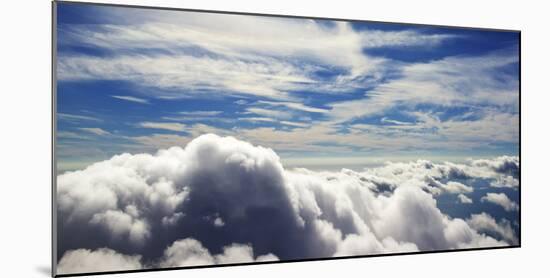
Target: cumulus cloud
{"x": 121, "y": 197}
{"x": 505, "y": 165}
{"x": 103, "y": 259}
{"x": 190, "y": 252}
{"x": 218, "y": 222}
{"x": 464, "y": 199}
{"x": 434, "y": 178}
{"x": 483, "y": 222}
{"x": 502, "y": 200}
{"x": 187, "y": 252}
{"x": 457, "y": 187}
{"x": 119, "y": 223}
{"x": 172, "y": 220}
{"x": 505, "y": 181}
{"x": 222, "y": 200}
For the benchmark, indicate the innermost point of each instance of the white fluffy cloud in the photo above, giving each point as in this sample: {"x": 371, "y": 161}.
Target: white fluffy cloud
{"x": 184, "y": 252}
{"x": 104, "y": 259}
{"x": 457, "y": 187}
{"x": 120, "y": 223}
{"x": 221, "y": 200}
{"x": 505, "y": 181}
{"x": 122, "y": 195}
{"x": 464, "y": 199}
{"x": 483, "y": 222}
{"x": 435, "y": 178}
{"x": 502, "y": 200}
{"x": 503, "y": 164}
{"x": 190, "y": 252}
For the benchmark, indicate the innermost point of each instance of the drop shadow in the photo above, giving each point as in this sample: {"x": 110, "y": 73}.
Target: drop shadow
{"x": 44, "y": 270}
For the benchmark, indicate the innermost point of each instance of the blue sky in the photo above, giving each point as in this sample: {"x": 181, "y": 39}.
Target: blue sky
{"x": 138, "y": 80}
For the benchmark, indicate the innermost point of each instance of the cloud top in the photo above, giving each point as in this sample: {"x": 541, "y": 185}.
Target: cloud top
{"x": 220, "y": 200}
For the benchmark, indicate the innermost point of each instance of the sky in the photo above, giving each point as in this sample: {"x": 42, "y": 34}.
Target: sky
{"x": 322, "y": 94}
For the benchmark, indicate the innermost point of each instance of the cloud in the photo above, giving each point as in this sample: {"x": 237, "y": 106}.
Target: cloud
{"x": 172, "y": 220}
{"x": 181, "y": 253}
{"x": 505, "y": 181}
{"x": 355, "y": 245}
{"x": 483, "y": 222}
{"x": 155, "y": 141}
{"x": 186, "y": 252}
{"x": 426, "y": 134}
{"x": 103, "y": 259}
{"x": 457, "y": 187}
{"x": 200, "y": 113}
{"x": 117, "y": 202}
{"x": 70, "y": 135}
{"x": 95, "y": 130}
{"x": 223, "y": 57}
{"x": 276, "y": 114}
{"x": 297, "y": 124}
{"x": 506, "y": 165}
{"x": 296, "y": 106}
{"x": 413, "y": 208}
{"x": 258, "y": 119}
{"x": 74, "y": 118}
{"x": 218, "y": 222}
{"x": 239, "y": 253}
{"x": 204, "y": 59}
{"x": 221, "y": 200}
{"x": 132, "y": 99}
{"x": 272, "y": 120}
{"x": 190, "y": 252}
{"x": 451, "y": 81}
{"x": 178, "y": 76}
{"x": 464, "y": 199}
{"x": 228, "y": 50}
{"x": 119, "y": 223}
{"x": 158, "y": 141}
{"x": 435, "y": 178}
{"x": 163, "y": 125}
{"x": 394, "y": 122}
{"x": 502, "y": 200}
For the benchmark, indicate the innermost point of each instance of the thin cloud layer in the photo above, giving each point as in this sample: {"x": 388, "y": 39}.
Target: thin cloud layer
{"x": 208, "y": 52}
{"x": 221, "y": 200}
